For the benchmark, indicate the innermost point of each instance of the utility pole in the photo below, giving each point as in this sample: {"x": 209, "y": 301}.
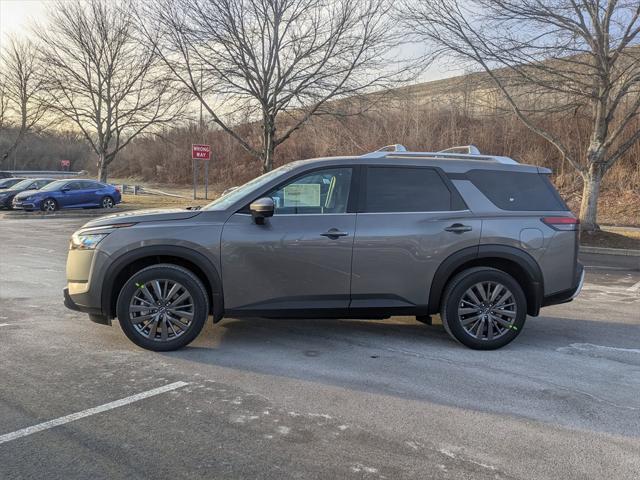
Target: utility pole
{"x": 206, "y": 163}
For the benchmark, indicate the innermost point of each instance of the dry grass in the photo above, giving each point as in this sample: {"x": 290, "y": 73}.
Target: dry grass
{"x": 627, "y": 239}
{"x": 134, "y": 202}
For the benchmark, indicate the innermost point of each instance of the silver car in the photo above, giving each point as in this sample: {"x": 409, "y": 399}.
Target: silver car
{"x": 479, "y": 239}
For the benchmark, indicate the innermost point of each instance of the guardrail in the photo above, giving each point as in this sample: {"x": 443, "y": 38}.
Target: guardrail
{"x": 45, "y": 173}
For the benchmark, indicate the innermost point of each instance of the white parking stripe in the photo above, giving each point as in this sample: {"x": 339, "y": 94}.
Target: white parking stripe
{"x": 91, "y": 411}
{"x": 634, "y": 288}
{"x": 4, "y": 324}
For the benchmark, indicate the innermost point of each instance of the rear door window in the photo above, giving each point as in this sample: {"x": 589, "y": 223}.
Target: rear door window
{"x": 405, "y": 189}
{"x": 520, "y": 191}
{"x": 89, "y": 185}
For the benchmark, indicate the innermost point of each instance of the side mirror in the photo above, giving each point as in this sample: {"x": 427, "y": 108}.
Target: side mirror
{"x": 65, "y": 189}
{"x": 261, "y": 209}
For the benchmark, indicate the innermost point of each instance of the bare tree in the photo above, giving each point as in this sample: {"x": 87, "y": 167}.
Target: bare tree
{"x": 546, "y": 56}
{"x": 20, "y": 87}
{"x": 278, "y": 62}
{"x": 100, "y": 78}
{"x": 4, "y": 104}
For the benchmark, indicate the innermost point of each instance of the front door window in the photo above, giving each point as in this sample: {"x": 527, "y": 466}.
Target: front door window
{"x": 319, "y": 192}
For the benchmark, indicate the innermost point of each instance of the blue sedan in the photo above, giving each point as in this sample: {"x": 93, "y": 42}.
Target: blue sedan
{"x": 68, "y": 194}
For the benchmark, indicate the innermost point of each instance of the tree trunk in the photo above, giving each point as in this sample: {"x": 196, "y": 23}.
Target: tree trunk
{"x": 592, "y": 179}
{"x": 102, "y": 168}
{"x": 6, "y": 156}
{"x": 268, "y": 142}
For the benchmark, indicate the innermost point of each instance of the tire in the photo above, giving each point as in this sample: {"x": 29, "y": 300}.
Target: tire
{"x": 107, "y": 202}
{"x": 173, "y": 327}
{"x": 474, "y": 318}
{"x": 49, "y": 205}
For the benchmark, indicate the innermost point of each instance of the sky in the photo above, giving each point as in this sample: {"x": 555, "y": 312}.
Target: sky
{"x": 16, "y": 17}
{"x": 15, "y": 14}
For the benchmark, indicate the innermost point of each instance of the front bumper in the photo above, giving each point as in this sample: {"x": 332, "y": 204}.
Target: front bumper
{"x": 95, "y": 315}
{"x": 24, "y": 205}
{"x": 567, "y": 295}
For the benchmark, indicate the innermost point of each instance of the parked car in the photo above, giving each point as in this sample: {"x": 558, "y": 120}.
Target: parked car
{"x": 5, "y": 174}
{"x": 479, "y": 239}
{"x": 9, "y": 182}
{"x": 25, "y": 185}
{"x": 69, "y": 194}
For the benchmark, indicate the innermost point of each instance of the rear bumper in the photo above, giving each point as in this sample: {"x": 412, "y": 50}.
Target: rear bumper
{"x": 567, "y": 295}
{"x": 95, "y": 314}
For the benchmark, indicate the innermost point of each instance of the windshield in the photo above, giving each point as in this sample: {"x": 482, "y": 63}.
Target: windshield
{"x": 22, "y": 185}
{"x": 53, "y": 186}
{"x": 236, "y": 194}
{"x": 8, "y": 182}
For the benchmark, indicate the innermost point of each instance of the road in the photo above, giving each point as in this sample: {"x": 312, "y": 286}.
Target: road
{"x": 279, "y": 399}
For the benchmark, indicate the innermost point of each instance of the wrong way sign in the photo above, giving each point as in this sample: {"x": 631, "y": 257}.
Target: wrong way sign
{"x": 200, "y": 152}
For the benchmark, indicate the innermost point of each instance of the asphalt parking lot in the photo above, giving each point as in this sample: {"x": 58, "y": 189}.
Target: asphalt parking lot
{"x": 319, "y": 399}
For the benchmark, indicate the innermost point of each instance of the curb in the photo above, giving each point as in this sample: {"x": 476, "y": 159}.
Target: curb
{"x": 44, "y": 216}
{"x": 610, "y": 251}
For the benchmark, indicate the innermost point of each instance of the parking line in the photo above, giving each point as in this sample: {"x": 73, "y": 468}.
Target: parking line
{"x": 4, "y": 324}
{"x": 91, "y": 411}
{"x": 634, "y": 288}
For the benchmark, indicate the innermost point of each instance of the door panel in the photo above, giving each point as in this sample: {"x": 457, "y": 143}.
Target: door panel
{"x": 70, "y": 198}
{"x": 287, "y": 264}
{"x": 395, "y": 255}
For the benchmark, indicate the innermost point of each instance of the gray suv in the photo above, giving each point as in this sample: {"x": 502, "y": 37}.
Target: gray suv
{"x": 479, "y": 239}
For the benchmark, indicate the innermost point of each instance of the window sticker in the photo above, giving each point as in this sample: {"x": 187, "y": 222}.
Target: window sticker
{"x": 302, "y": 195}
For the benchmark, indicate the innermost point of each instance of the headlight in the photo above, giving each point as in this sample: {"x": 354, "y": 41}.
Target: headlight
{"x": 89, "y": 238}
{"x": 86, "y": 241}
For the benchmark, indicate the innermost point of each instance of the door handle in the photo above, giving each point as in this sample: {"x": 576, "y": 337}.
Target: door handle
{"x": 334, "y": 233}
{"x": 458, "y": 228}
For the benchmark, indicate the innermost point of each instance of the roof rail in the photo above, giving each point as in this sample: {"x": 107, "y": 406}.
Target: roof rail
{"x": 470, "y": 152}
{"x": 465, "y": 149}
{"x": 396, "y": 147}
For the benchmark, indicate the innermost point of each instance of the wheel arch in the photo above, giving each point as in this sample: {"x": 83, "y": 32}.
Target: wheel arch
{"x": 135, "y": 260}
{"x": 517, "y": 263}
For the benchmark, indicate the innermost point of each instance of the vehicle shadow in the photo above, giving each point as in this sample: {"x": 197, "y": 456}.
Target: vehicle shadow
{"x": 280, "y": 345}
{"x": 555, "y": 365}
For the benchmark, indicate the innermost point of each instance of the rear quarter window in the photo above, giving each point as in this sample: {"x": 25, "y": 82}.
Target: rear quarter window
{"x": 521, "y": 191}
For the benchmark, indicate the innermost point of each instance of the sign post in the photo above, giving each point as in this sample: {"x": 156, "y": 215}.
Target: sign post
{"x": 206, "y": 180}
{"x": 200, "y": 152}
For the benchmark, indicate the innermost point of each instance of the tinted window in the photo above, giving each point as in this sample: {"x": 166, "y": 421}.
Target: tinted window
{"x": 90, "y": 185}
{"x": 41, "y": 183}
{"x": 517, "y": 190}
{"x": 322, "y": 191}
{"x": 401, "y": 189}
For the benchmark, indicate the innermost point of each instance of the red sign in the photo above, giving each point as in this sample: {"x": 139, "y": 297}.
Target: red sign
{"x": 201, "y": 152}
{"x": 65, "y": 163}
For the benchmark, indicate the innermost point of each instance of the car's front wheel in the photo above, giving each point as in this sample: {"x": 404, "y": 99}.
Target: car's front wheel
{"x": 483, "y": 308}
{"x": 163, "y": 307}
{"x": 49, "y": 205}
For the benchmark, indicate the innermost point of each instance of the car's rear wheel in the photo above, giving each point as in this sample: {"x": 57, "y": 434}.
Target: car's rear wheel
{"x": 163, "y": 307}
{"x": 107, "y": 202}
{"x": 49, "y": 205}
{"x": 483, "y": 308}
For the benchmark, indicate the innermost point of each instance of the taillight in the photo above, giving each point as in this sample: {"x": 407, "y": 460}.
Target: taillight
{"x": 117, "y": 189}
{"x": 561, "y": 223}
